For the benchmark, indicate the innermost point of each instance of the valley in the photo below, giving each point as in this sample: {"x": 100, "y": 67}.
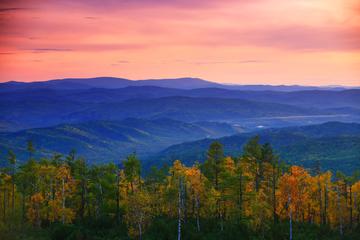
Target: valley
{"x": 106, "y": 119}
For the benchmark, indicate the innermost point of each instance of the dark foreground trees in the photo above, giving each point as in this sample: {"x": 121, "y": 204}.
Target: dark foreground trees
{"x": 253, "y": 196}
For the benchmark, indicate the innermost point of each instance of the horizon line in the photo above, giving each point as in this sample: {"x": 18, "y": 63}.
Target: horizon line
{"x": 186, "y": 77}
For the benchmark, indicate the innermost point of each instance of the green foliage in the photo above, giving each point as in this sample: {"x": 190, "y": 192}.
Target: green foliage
{"x": 105, "y": 141}
{"x": 336, "y": 145}
{"x": 224, "y": 198}
{"x": 213, "y": 163}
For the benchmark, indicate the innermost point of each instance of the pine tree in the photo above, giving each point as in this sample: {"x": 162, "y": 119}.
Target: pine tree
{"x": 12, "y": 161}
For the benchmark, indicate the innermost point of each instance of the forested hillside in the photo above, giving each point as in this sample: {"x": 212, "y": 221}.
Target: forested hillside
{"x": 159, "y": 141}
{"x": 335, "y": 144}
{"x": 107, "y": 141}
{"x": 249, "y": 196}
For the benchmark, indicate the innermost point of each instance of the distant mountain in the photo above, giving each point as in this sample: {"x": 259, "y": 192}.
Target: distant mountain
{"x": 104, "y": 141}
{"x": 335, "y": 144}
{"x": 179, "y": 83}
{"x": 107, "y": 82}
{"x": 47, "y": 111}
{"x": 188, "y": 109}
{"x": 316, "y": 98}
{"x": 285, "y": 88}
{"x": 36, "y": 113}
{"x": 31, "y": 108}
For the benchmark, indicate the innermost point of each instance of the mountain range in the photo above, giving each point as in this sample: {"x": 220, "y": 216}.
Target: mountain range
{"x": 29, "y": 108}
{"x": 105, "y": 119}
{"x": 314, "y": 98}
{"x": 37, "y": 112}
{"x": 179, "y": 83}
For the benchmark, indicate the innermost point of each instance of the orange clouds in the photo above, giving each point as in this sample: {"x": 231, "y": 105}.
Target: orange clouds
{"x": 262, "y": 41}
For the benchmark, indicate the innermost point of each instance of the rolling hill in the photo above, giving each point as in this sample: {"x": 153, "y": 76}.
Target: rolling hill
{"x": 189, "y": 109}
{"x": 159, "y": 141}
{"x": 335, "y": 144}
{"x": 104, "y": 141}
{"x": 37, "y": 112}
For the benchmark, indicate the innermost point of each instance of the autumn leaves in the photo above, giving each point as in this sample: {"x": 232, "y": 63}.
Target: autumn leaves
{"x": 256, "y": 189}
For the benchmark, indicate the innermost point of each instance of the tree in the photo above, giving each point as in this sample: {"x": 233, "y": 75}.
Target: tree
{"x": 138, "y": 212}
{"x": 81, "y": 175}
{"x": 240, "y": 185}
{"x": 30, "y": 149}
{"x": 177, "y": 185}
{"x": 35, "y": 211}
{"x": 213, "y": 167}
{"x": 214, "y": 163}
{"x": 12, "y": 161}
{"x": 197, "y": 184}
{"x": 27, "y": 182}
{"x": 67, "y": 188}
{"x": 253, "y": 152}
{"x": 293, "y": 193}
{"x": 272, "y": 170}
{"x": 5, "y": 180}
{"x": 132, "y": 170}
{"x": 350, "y": 182}
{"x": 138, "y": 201}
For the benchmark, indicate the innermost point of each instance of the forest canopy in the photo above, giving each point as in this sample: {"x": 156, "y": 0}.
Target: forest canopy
{"x": 252, "y": 196}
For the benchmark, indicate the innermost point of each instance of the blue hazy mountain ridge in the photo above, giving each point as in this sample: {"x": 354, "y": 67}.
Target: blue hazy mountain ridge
{"x": 104, "y": 141}
{"x": 38, "y": 112}
{"x": 190, "y": 109}
{"x": 107, "y": 82}
{"x": 314, "y": 98}
{"x": 46, "y": 107}
{"x": 180, "y": 83}
{"x": 336, "y": 145}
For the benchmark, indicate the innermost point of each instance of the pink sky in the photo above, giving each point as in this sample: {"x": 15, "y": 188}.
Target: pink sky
{"x": 308, "y": 42}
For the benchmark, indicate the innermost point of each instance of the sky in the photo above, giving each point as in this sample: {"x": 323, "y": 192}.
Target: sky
{"x": 305, "y": 42}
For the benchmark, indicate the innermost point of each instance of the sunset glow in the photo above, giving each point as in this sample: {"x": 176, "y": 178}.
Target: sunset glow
{"x": 308, "y": 42}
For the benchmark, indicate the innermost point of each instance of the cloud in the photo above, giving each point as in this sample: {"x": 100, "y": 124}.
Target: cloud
{"x": 12, "y": 9}
{"x": 44, "y": 50}
{"x": 91, "y": 18}
{"x": 114, "y": 4}
{"x": 120, "y": 62}
{"x": 251, "y": 61}
{"x": 83, "y": 47}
